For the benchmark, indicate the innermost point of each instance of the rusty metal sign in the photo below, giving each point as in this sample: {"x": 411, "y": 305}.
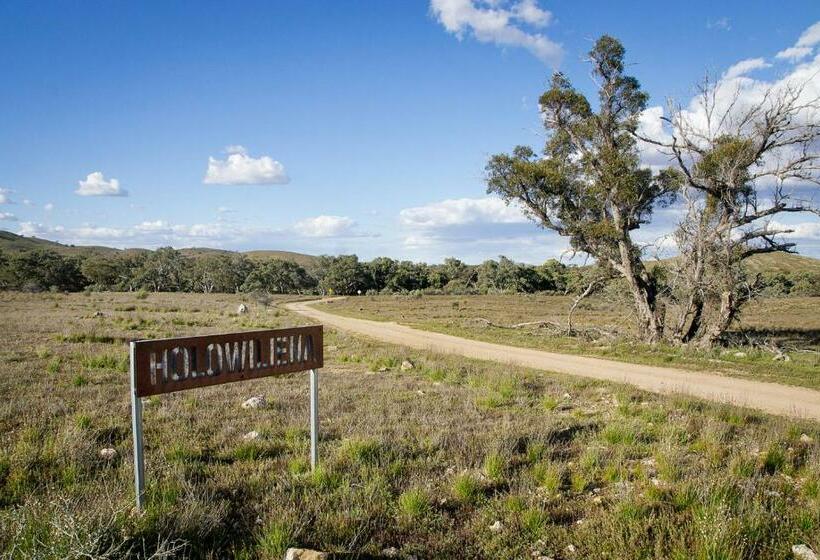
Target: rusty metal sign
{"x": 177, "y": 364}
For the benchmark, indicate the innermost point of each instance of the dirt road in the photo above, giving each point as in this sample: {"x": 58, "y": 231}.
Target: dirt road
{"x": 769, "y": 397}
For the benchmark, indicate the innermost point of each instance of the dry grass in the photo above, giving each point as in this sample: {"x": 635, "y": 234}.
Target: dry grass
{"x": 792, "y": 323}
{"x": 424, "y": 460}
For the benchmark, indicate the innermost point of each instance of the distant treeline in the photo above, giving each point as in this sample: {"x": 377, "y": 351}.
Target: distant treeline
{"x": 169, "y": 270}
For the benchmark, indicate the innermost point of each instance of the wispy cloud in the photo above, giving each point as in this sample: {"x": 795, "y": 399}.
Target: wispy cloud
{"x": 720, "y": 24}
{"x": 5, "y": 197}
{"x": 461, "y": 211}
{"x": 502, "y": 23}
{"x": 326, "y": 226}
{"x": 156, "y": 233}
{"x": 804, "y": 46}
{"x": 745, "y": 67}
{"x": 476, "y": 229}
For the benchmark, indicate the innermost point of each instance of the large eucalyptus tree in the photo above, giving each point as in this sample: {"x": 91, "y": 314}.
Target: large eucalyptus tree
{"x": 589, "y": 185}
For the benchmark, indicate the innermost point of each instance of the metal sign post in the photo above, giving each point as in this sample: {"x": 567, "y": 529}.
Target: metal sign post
{"x": 136, "y": 428}
{"x": 176, "y": 364}
{"x": 314, "y": 418}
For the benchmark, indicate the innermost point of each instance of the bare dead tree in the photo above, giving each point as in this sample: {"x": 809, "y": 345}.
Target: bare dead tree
{"x": 745, "y": 164}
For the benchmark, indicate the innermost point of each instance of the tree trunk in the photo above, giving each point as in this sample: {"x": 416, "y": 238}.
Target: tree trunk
{"x": 715, "y": 329}
{"x": 696, "y": 312}
{"x": 650, "y": 324}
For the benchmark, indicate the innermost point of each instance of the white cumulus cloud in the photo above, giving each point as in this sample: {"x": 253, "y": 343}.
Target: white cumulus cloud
{"x": 8, "y": 217}
{"x": 462, "y": 211}
{"x": 804, "y": 46}
{"x": 508, "y": 26}
{"x": 238, "y": 168}
{"x": 95, "y": 184}
{"x": 325, "y": 226}
{"x": 736, "y": 93}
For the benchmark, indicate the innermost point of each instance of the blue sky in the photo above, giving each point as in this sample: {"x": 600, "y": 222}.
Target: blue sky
{"x": 367, "y": 123}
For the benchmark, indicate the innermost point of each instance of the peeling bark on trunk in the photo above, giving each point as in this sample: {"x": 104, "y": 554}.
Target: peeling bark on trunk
{"x": 715, "y": 329}
{"x": 696, "y": 313}
{"x": 650, "y": 325}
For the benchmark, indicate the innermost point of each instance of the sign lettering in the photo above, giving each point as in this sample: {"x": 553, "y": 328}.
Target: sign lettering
{"x": 176, "y": 364}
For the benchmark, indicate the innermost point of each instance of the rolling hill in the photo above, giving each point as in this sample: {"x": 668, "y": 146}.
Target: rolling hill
{"x": 12, "y": 243}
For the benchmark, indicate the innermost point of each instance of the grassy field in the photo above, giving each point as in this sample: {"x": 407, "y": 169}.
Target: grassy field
{"x": 792, "y": 323}
{"x": 450, "y": 459}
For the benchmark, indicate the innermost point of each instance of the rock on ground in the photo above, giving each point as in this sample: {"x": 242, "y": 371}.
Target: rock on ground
{"x": 406, "y": 365}
{"x": 803, "y": 552}
{"x": 108, "y": 453}
{"x": 242, "y": 309}
{"x": 304, "y": 554}
{"x": 257, "y": 401}
{"x": 497, "y": 527}
{"x": 250, "y": 436}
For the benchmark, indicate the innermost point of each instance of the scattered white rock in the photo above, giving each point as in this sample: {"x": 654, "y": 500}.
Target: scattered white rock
{"x": 497, "y": 527}
{"x": 420, "y": 393}
{"x": 782, "y": 358}
{"x": 382, "y": 369}
{"x": 332, "y": 348}
{"x": 806, "y": 438}
{"x": 407, "y": 365}
{"x": 99, "y": 314}
{"x": 242, "y": 309}
{"x": 304, "y": 554}
{"x": 570, "y": 548}
{"x": 567, "y": 396}
{"x": 108, "y": 453}
{"x": 803, "y": 552}
{"x": 250, "y": 436}
{"x": 257, "y": 401}
{"x": 390, "y": 552}
{"x": 739, "y": 354}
